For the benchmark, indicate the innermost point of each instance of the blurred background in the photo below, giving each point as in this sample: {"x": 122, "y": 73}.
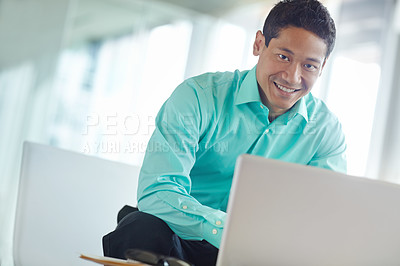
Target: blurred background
{"x": 90, "y": 76}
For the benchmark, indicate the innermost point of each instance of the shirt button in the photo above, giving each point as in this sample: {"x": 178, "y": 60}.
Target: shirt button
{"x": 218, "y": 222}
{"x": 267, "y": 131}
{"x": 214, "y": 231}
{"x": 184, "y": 207}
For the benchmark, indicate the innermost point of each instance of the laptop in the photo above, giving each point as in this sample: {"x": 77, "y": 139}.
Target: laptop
{"x": 281, "y": 213}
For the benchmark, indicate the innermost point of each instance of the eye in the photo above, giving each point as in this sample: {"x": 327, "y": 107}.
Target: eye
{"x": 310, "y": 67}
{"x": 283, "y": 57}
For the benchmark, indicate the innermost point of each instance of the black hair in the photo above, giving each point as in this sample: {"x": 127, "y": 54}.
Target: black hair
{"x": 310, "y": 15}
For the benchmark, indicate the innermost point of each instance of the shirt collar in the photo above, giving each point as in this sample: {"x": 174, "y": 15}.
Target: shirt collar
{"x": 248, "y": 92}
{"x": 299, "y": 108}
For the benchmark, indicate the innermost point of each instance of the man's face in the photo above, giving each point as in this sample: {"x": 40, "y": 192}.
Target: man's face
{"x": 288, "y": 68}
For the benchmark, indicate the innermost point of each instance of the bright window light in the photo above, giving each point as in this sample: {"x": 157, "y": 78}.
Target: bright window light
{"x": 352, "y": 97}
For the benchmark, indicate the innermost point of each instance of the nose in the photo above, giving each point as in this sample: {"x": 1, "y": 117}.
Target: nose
{"x": 293, "y": 74}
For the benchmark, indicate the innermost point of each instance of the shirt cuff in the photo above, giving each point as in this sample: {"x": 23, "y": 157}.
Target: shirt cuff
{"x": 213, "y": 228}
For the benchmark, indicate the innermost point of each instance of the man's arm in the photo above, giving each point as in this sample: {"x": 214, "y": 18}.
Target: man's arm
{"x": 332, "y": 150}
{"x": 164, "y": 182}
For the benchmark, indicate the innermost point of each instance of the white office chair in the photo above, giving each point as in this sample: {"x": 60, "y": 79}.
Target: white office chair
{"x": 67, "y": 201}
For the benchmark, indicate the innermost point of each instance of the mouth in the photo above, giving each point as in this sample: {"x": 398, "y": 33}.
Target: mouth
{"x": 285, "y": 89}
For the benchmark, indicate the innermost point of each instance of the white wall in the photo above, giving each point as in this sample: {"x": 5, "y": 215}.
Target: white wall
{"x": 31, "y": 33}
{"x": 384, "y": 155}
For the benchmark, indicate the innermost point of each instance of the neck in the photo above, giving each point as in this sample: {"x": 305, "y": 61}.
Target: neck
{"x": 272, "y": 116}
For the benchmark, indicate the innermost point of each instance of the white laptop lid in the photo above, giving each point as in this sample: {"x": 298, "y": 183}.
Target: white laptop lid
{"x": 288, "y": 214}
{"x": 66, "y": 202}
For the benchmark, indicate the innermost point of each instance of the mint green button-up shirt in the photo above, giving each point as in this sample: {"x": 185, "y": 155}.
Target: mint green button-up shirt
{"x": 210, "y": 120}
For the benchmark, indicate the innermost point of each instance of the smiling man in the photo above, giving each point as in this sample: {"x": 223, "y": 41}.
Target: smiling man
{"x": 288, "y": 68}
{"x": 211, "y": 119}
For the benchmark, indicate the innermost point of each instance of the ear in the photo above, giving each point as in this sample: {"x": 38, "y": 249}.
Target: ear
{"x": 259, "y": 43}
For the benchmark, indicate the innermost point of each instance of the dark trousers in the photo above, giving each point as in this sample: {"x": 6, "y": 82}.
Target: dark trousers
{"x": 147, "y": 232}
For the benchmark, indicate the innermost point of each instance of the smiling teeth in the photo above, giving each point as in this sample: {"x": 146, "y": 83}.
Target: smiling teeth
{"x": 284, "y": 89}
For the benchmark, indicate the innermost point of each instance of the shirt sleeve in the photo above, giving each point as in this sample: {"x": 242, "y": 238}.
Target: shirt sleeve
{"x": 331, "y": 153}
{"x": 165, "y": 182}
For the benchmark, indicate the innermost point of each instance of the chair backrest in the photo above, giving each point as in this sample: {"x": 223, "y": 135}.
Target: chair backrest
{"x": 67, "y": 201}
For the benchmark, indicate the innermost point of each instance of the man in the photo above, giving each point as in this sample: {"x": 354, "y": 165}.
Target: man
{"x": 211, "y": 119}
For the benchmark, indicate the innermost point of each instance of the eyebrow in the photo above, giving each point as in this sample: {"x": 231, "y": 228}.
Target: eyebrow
{"x": 309, "y": 58}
